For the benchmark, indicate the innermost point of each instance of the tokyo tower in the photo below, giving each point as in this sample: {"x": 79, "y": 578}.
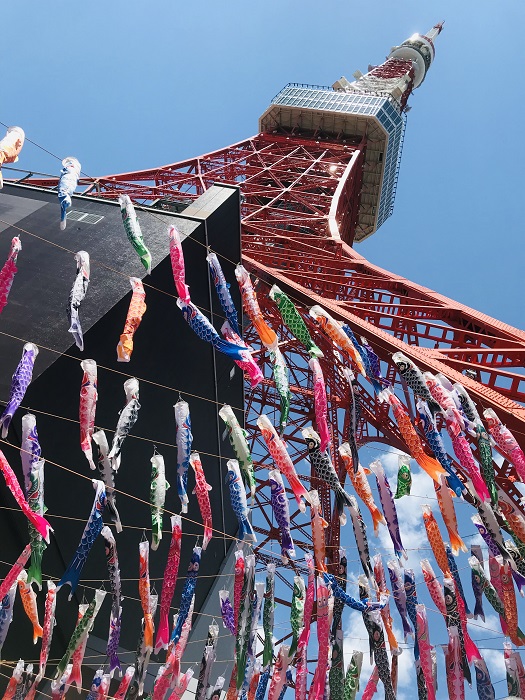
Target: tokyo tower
{"x": 320, "y": 174}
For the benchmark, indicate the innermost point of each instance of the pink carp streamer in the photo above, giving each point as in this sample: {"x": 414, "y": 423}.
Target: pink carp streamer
{"x": 371, "y": 687}
{"x": 323, "y": 640}
{"x": 8, "y": 272}
{"x": 321, "y": 403}
{"x": 464, "y": 454}
{"x": 14, "y": 572}
{"x": 177, "y": 264}
{"x": 454, "y": 668}
{"x": 38, "y": 521}
{"x": 169, "y": 582}
{"x": 506, "y": 442}
{"x": 87, "y": 408}
{"x": 201, "y": 489}
{"x": 247, "y": 365}
{"x": 425, "y": 649}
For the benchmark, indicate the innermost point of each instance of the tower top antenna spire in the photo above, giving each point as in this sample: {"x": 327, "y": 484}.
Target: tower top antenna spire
{"x": 419, "y": 50}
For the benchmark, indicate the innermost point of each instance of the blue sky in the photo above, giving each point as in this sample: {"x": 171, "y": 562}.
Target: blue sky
{"x": 125, "y": 85}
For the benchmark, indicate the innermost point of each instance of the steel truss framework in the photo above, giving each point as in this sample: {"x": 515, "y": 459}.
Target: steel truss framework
{"x": 300, "y": 196}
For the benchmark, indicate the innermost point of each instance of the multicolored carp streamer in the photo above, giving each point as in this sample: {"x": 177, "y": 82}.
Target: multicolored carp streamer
{"x": 157, "y": 496}
{"x": 353, "y": 674}
{"x": 411, "y": 602}
{"x": 10, "y": 147}
{"x": 334, "y": 331}
{"x": 435, "y": 539}
{"x": 187, "y": 593}
{"x": 505, "y": 442}
{"x": 223, "y": 292}
{"x": 238, "y": 501}
{"x": 477, "y": 589}
{"x": 464, "y": 454}
{"x": 177, "y": 264}
{"x": 14, "y": 681}
{"x": 486, "y": 462}
{"x": 415, "y": 379}
{"x": 411, "y": 438}
{"x": 509, "y": 604}
{"x": 247, "y": 365}
{"x": 240, "y": 566}
{"x": 389, "y": 508}
{"x": 208, "y": 659}
{"x": 169, "y": 582}
{"x": 325, "y": 471}
{"x": 282, "y": 384}
{"x": 145, "y": 594}
{"x": 82, "y": 628}
{"x": 9, "y": 270}
{"x": 14, "y": 572}
{"x": 244, "y": 621}
{"x": 48, "y": 626}
{"x": 227, "y": 611}
{"x": 251, "y": 307}
{"x": 404, "y": 476}
{"x": 434, "y": 587}
{"x": 453, "y": 665}
{"x": 184, "y": 442}
{"x": 361, "y": 540}
{"x": 88, "y": 407}
{"x": 125, "y": 683}
{"x": 437, "y": 446}
{"x": 301, "y": 676}
{"x": 442, "y": 396}
{"x": 137, "y": 309}
{"x": 297, "y": 612}
{"x": 293, "y": 320}
{"x": 347, "y": 599}
{"x": 107, "y": 475}
{"x": 127, "y": 419}
{"x": 446, "y": 506}
{"x": 202, "y": 327}
{"x": 30, "y": 450}
{"x": 454, "y": 620}
{"x": 268, "y": 615}
{"x": 354, "y": 411}
{"x": 342, "y": 579}
{"x": 453, "y": 568}
{"x": 77, "y": 295}
{"x": 321, "y": 403}
{"x": 201, "y": 490}
{"x": 372, "y": 620}
{"x": 282, "y": 459}
{"x": 38, "y": 521}
{"x": 20, "y": 381}
{"x": 239, "y": 443}
{"x": 133, "y": 232}
{"x": 264, "y": 679}
{"x": 383, "y": 598}
{"x": 92, "y": 530}
{"x": 59, "y": 687}
{"x": 6, "y": 614}
{"x": 317, "y": 687}
{"x": 257, "y": 597}
{"x": 143, "y": 655}
{"x": 278, "y": 678}
{"x": 35, "y": 499}
{"x": 318, "y": 524}
{"x": 67, "y": 184}
{"x": 116, "y": 597}
{"x": 425, "y": 650}
{"x": 361, "y": 486}
{"x": 279, "y": 502}
{"x": 336, "y": 675}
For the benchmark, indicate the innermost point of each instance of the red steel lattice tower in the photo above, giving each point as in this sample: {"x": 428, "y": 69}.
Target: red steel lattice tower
{"x": 321, "y": 174}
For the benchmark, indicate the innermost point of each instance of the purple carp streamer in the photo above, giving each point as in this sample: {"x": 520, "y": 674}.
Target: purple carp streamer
{"x": 20, "y": 381}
